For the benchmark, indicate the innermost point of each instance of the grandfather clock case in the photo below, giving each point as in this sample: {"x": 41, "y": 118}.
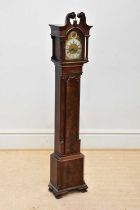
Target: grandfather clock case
{"x": 69, "y": 53}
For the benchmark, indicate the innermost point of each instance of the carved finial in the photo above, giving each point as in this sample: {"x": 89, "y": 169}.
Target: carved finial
{"x": 82, "y": 17}
{"x": 69, "y": 16}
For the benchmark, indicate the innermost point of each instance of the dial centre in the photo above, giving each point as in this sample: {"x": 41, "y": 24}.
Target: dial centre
{"x": 73, "y": 48}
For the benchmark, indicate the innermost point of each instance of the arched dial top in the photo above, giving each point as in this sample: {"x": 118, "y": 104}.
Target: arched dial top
{"x": 73, "y": 46}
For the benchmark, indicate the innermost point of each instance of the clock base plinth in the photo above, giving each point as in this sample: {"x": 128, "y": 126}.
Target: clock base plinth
{"x": 66, "y": 174}
{"x": 58, "y": 193}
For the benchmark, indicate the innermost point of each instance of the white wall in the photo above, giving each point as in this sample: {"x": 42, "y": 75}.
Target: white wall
{"x": 110, "y": 92}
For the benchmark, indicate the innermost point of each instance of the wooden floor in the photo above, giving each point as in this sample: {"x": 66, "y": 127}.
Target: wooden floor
{"x": 113, "y": 178}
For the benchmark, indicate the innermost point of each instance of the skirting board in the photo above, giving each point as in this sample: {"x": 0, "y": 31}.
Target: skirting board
{"x": 96, "y": 139}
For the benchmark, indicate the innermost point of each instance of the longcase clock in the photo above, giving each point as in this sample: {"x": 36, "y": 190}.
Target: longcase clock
{"x": 70, "y": 52}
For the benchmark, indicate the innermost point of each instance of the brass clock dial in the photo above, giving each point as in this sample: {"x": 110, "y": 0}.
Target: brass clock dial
{"x": 73, "y": 46}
